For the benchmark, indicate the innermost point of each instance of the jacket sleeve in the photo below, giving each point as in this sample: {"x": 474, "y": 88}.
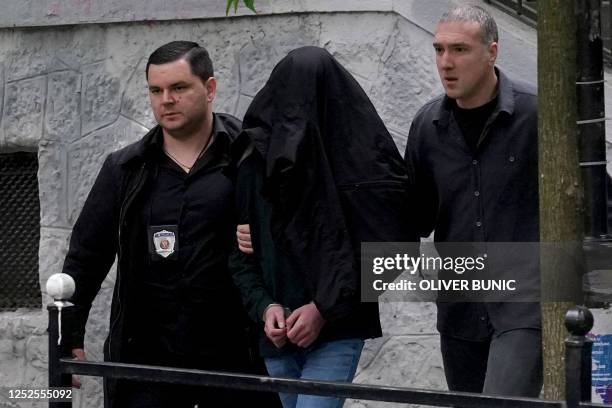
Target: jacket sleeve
{"x": 425, "y": 203}
{"x": 93, "y": 246}
{"x": 247, "y": 276}
{"x": 246, "y": 269}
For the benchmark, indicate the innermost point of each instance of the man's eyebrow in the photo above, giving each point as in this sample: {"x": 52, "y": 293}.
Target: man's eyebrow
{"x": 179, "y": 83}
{"x": 456, "y": 44}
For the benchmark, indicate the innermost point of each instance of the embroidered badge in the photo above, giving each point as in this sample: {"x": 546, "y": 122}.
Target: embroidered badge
{"x": 164, "y": 243}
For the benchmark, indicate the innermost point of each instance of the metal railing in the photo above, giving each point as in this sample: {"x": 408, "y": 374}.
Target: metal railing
{"x": 524, "y": 10}
{"x": 577, "y": 358}
{"x": 527, "y": 11}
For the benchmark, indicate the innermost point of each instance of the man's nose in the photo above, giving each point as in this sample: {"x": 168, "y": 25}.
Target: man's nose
{"x": 446, "y": 60}
{"x": 167, "y": 97}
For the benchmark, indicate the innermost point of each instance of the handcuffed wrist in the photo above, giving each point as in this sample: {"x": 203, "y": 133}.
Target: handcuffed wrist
{"x": 263, "y": 317}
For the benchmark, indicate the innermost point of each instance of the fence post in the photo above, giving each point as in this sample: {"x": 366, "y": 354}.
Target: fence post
{"x": 60, "y": 287}
{"x": 57, "y": 351}
{"x": 578, "y": 321}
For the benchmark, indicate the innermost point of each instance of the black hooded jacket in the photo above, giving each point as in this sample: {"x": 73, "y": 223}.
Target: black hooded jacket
{"x": 323, "y": 176}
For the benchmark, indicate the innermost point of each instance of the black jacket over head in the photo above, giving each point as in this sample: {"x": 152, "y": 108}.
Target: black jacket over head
{"x": 332, "y": 178}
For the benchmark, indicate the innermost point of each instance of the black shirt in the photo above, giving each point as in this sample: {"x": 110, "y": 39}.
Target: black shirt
{"x": 189, "y": 308}
{"x": 472, "y": 121}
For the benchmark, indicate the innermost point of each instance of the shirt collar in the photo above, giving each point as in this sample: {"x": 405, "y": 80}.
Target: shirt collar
{"x": 219, "y": 129}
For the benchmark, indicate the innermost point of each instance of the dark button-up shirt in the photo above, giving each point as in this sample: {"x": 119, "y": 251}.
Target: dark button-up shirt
{"x": 487, "y": 194}
{"x": 189, "y": 307}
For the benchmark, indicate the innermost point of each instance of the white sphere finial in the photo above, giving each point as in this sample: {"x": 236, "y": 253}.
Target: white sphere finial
{"x": 60, "y": 286}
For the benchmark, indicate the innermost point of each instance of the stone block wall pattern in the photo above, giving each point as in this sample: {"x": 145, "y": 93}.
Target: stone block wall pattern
{"x": 76, "y": 93}
{"x": 72, "y": 87}
{"x": 63, "y": 106}
{"x": 24, "y": 102}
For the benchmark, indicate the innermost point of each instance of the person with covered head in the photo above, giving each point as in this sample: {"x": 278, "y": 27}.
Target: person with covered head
{"x": 321, "y": 174}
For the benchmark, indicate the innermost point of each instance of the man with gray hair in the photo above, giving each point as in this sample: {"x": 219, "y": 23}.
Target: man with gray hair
{"x": 473, "y": 153}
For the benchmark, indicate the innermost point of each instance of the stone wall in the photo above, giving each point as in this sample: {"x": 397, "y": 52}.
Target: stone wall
{"x": 72, "y": 88}
{"x": 76, "y": 93}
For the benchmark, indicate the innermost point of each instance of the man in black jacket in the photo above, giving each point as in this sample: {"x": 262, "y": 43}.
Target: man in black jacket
{"x": 164, "y": 207}
{"x": 474, "y": 156}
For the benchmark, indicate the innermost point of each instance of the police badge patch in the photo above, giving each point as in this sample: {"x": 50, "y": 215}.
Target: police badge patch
{"x": 164, "y": 242}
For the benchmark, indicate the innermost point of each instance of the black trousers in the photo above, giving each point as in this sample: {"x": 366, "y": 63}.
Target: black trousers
{"x": 131, "y": 394}
{"x": 509, "y": 363}
{"x": 139, "y": 394}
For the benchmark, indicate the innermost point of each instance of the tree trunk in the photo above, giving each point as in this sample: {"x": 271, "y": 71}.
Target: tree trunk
{"x": 561, "y": 209}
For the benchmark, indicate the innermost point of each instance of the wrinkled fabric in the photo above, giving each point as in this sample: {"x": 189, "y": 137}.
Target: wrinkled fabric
{"x": 110, "y": 225}
{"x": 333, "y": 175}
{"x": 489, "y": 194}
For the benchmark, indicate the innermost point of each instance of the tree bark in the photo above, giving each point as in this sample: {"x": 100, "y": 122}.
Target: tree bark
{"x": 561, "y": 194}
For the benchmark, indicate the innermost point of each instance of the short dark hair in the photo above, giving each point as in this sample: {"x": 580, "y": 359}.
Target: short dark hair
{"x": 197, "y": 57}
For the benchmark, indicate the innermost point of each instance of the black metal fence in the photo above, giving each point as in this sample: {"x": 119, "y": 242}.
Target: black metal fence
{"x": 527, "y": 11}
{"x": 577, "y": 359}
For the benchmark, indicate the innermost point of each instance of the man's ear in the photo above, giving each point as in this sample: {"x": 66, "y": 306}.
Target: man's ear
{"x": 492, "y": 53}
{"x": 211, "y": 88}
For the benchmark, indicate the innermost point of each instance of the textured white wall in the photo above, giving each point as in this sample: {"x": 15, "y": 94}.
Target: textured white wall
{"x": 76, "y": 93}
{"x": 72, "y": 87}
